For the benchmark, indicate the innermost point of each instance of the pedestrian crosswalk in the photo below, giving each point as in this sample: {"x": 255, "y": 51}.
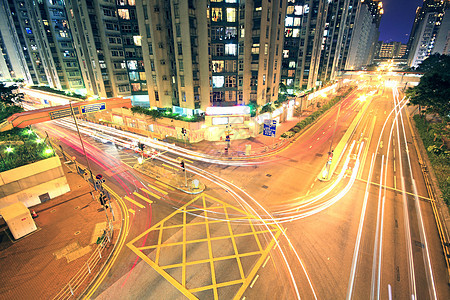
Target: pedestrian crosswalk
{"x": 146, "y": 195}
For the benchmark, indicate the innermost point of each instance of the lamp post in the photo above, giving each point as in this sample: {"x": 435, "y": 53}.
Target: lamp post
{"x": 330, "y": 152}
{"x": 85, "y": 156}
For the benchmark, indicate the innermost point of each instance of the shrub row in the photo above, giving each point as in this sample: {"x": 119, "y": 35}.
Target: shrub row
{"x": 437, "y": 153}
{"x": 311, "y": 118}
{"x": 52, "y": 90}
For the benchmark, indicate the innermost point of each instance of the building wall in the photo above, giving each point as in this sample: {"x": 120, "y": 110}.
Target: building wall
{"x": 442, "y": 44}
{"x": 27, "y": 183}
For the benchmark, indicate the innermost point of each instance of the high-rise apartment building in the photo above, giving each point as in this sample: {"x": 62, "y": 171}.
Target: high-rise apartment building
{"x": 425, "y": 30}
{"x": 37, "y": 36}
{"x": 364, "y": 45}
{"x": 12, "y": 60}
{"x": 319, "y": 38}
{"x": 191, "y": 54}
{"x": 392, "y": 50}
{"x": 442, "y": 44}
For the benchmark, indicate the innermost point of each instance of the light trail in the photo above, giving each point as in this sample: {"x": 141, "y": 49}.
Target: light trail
{"x": 359, "y": 235}
{"x": 423, "y": 237}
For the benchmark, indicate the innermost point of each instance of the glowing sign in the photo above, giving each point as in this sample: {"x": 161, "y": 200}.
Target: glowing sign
{"x": 231, "y": 110}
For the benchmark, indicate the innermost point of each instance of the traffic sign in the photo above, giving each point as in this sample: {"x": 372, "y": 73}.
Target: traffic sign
{"x": 270, "y": 127}
{"x": 99, "y": 176}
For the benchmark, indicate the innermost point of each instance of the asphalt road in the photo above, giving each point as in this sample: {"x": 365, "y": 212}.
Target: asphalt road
{"x": 353, "y": 241}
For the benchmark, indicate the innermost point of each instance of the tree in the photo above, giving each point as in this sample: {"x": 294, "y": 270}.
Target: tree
{"x": 9, "y": 96}
{"x": 435, "y": 63}
{"x": 432, "y": 92}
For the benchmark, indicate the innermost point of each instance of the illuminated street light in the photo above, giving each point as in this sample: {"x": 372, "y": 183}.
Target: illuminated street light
{"x": 39, "y": 140}
{"x": 48, "y": 151}
{"x": 9, "y": 149}
{"x": 363, "y": 98}
{"x": 140, "y": 160}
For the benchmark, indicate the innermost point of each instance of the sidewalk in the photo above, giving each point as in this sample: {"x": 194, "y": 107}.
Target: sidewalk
{"x": 260, "y": 144}
{"x": 39, "y": 265}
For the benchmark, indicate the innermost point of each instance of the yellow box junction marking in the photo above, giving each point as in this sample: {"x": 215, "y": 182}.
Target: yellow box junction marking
{"x": 132, "y": 201}
{"x": 206, "y": 211}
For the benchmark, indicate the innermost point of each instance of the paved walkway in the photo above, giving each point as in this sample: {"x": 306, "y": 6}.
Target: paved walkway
{"x": 39, "y": 265}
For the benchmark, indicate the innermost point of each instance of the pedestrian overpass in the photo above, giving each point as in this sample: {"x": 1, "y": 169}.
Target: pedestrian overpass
{"x": 30, "y": 117}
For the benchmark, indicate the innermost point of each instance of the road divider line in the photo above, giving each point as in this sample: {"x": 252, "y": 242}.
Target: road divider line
{"x": 143, "y": 198}
{"x": 131, "y": 211}
{"x": 134, "y": 202}
{"x": 254, "y": 280}
{"x": 267, "y": 259}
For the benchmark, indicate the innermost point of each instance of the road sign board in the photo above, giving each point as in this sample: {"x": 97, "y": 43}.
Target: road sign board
{"x": 93, "y": 107}
{"x": 63, "y": 113}
{"x": 270, "y": 127}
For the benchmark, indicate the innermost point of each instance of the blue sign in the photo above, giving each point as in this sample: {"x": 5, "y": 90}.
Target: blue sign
{"x": 93, "y": 107}
{"x": 270, "y": 128}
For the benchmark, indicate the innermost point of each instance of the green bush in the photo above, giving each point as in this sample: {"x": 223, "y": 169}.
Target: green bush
{"x": 305, "y": 122}
{"x": 437, "y": 153}
{"x": 52, "y": 90}
{"x": 24, "y": 147}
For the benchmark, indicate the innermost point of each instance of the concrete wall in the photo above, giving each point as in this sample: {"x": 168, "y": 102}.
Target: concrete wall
{"x": 27, "y": 183}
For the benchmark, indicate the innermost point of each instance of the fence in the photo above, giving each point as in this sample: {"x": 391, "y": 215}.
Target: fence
{"x": 72, "y": 287}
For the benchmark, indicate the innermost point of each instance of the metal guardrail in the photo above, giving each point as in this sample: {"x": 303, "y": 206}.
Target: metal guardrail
{"x": 71, "y": 288}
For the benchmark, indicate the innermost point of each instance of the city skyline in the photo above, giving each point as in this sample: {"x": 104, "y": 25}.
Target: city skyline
{"x": 395, "y": 26}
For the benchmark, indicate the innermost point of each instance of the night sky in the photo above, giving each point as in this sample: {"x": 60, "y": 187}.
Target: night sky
{"x": 397, "y": 20}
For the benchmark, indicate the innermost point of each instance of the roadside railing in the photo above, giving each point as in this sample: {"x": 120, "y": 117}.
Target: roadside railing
{"x": 72, "y": 287}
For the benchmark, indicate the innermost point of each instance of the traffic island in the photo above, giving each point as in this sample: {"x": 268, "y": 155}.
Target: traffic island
{"x": 172, "y": 177}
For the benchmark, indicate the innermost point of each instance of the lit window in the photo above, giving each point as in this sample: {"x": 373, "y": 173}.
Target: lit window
{"x": 124, "y": 14}
{"x": 285, "y": 53}
{"x": 266, "y": 49}
{"x": 288, "y": 32}
{"x": 218, "y": 81}
{"x": 255, "y": 49}
{"x": 132, "y": 64}
{"x": 134, "y": 76}
{"x": 28, "y": 30}
{"x": 296, "y": 33}
{"x": 136, "y": 87}
{"x": 231, "y": 14}
{"x": 142, "y": 76}
{"x": 298, "y": 10}
{"x": 231, "y": 1}
{"x": 132, "y": 2}
{"x": 289, "y": 21}
{"x": 231, "y": 49}
{"x": 216, "y": 14}
{"x": 292, "y": 64}
{"x": 218, "y": 66}
{"x": 297, "y": 21}
{"x": 137, "y": 40}
{"x": 290, "y": 10}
